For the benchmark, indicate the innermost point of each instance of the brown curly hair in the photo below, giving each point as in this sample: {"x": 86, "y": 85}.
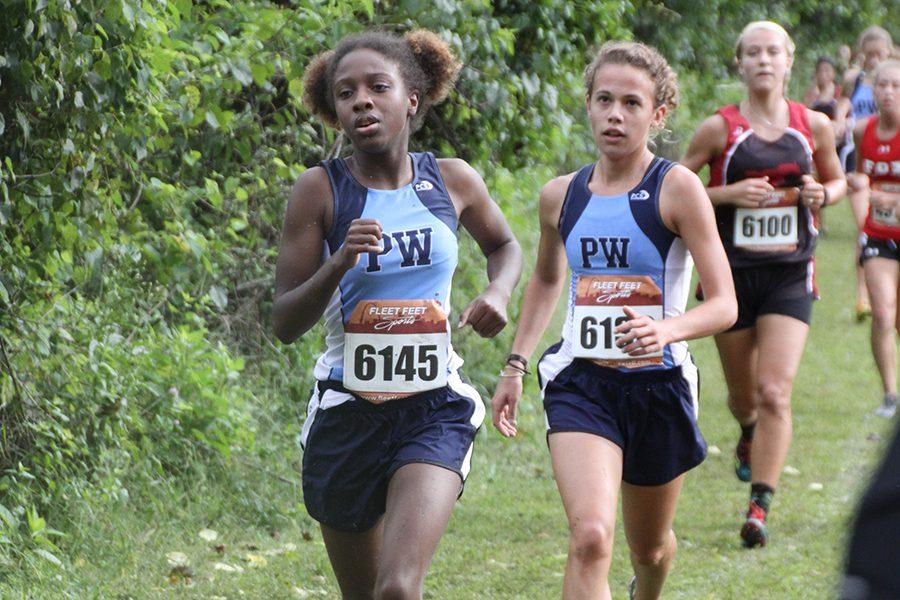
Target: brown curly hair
{"x": 640, "y": 56}
{"x": 427, "y": 66}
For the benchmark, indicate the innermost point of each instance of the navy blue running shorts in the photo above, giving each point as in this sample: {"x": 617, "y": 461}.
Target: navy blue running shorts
{"x": 876, "y": 247}
{"x": 352, "y": 447}
{"x": 651, "y": 415}
{"x": 780, "y": 289}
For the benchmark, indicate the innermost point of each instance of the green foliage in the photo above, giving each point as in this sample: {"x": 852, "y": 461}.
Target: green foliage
{"x": 145, "y": 152}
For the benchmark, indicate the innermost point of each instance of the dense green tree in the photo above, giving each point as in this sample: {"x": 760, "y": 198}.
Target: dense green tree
{"x": 145, "y": 151}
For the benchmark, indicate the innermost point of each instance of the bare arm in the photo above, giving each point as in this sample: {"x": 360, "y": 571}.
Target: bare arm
{"x": 304, "y": 282}
{"x": 540, "y": 299}
{"x": 832, "y": 185}
{"x": 483, "y": 219}
{"x": 686, "y": 211}
{"x": 709, "y": 142}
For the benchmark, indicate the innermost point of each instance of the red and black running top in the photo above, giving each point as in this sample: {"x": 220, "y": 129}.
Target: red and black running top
{"x": 880, "y": 160}
{"x": 784, "y": 161}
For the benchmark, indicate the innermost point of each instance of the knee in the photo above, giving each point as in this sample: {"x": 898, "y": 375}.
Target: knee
{"x": 883, "y": 317}
{"x": 775, "y": 397}
{"x": 398, "y": 586}
{"x": 591, "y": 542}
{"x": 741, "y": 401}
{"x": 654, "y": 554}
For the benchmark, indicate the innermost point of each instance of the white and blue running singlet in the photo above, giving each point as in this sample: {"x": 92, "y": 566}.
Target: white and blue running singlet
{"x": 387, "y": 329}
{"x": 620, "y": 254}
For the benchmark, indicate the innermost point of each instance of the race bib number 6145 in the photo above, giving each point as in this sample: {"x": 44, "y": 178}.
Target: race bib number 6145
{"x": 395, "y": 348}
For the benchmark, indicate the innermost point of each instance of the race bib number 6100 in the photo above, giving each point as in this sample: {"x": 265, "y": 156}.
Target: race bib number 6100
{"x": 395, "y": 348}
{"x": 771, "y": 228}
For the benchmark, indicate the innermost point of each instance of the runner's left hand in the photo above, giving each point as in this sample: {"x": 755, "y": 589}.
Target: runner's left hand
{"x": 812, "y": 193}
{"x": 486, "y": 313}
{"x": 641, "y": 335}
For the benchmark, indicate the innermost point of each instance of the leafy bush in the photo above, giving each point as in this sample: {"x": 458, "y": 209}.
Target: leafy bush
{"x": 145, "y": 152}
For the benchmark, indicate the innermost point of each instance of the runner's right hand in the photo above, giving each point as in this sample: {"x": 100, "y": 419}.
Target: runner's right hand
{"x": 505, "y": 405}
{"x": 363, "y": 236}
{"x": 752, "y": 192}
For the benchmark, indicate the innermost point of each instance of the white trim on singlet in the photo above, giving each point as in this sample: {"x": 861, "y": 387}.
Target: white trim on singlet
{"x": 677, "y": 271}
{"x": 810, "y": 225}
{"x": 734, "y": 146}
{"x": 692, "y": 376}
{"x": 311, "y": 409}
{"x": 810, "y": 276}
{"x": 455, "y": 383}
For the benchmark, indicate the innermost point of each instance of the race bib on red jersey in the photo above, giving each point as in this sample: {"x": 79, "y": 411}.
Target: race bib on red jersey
{"x": 772, "y": 227}
{"x": 395, "y": 348}
{"x": 886, "y": 216}
{"x": 599, "y": 309}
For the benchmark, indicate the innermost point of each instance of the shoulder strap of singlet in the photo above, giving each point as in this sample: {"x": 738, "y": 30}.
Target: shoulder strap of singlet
{"x": 870, "y": 134}
{"x": 856, "y": 83}
{"x": 432, "y": 191}
{"x": 799, "y": 120}
{"x": 644, "y": 202}
{"x": 576, "y": 200}
{"x": 349, "y": 201}
{"x": 732, "y": 115}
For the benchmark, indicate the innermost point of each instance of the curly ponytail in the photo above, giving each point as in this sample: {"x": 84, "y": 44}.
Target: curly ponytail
{"x": 426, "y": 63}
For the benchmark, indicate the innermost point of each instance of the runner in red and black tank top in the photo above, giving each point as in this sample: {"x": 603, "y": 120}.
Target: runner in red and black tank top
{"x": 880, "y": 161}
{"x": 784, "y": 161}
{"x": 753, "y": 149}
{"x": 878, "y": 182}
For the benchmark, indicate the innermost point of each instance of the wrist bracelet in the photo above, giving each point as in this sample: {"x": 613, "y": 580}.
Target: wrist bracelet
{"x": 518, "y": 358}
{"x": 517, "y": 373}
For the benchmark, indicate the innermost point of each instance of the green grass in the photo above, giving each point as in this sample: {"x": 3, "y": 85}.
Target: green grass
{"x": 507, "y": 537}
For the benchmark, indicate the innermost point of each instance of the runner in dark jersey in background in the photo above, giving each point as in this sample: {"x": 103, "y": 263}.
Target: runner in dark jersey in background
{"x": 761, "y": 154}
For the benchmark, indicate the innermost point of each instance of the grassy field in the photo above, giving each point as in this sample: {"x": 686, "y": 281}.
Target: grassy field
{"x": 507, "y": 537}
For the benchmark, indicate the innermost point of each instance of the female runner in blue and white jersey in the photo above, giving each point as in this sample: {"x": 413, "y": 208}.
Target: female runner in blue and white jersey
{"x": 370, "y": 242}
{"x": 620, "y": 390}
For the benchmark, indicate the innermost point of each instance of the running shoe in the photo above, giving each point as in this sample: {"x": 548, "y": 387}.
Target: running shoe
{"x": 754, "y": 532}
{"x": 742, "y": 458}
{"x": 888, "y": 406}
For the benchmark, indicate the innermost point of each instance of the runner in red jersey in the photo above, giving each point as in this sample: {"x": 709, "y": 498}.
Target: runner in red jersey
{"x": 878, "y": 173}
{"x": 762, "y": 153}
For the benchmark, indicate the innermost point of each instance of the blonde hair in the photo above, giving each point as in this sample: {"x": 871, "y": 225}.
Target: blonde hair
{"x": 874, "y": 32}
{"x": 768, "y": 26}
{"x": 891, "y": 63}
{"x": 640, "y": 56}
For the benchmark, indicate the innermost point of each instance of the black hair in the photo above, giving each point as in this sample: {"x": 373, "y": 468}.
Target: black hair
{"x": 426, "y": 63}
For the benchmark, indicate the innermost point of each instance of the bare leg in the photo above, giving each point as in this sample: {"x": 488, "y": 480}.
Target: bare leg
{"x": 420, "y": 499}
{"x": 882, "y": 277}
{"x": 647, "y": 513}
{"x": 354, "y": 558}
{"x": 859, "y": 206}
{"x": 781, "y": 342}
{"x": 738, "y": 353}
{"x": 588, "y": 471}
